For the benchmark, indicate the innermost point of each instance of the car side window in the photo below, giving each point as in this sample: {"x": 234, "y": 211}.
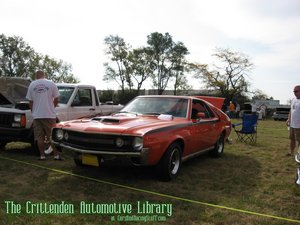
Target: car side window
{"x": 200, "y": 106}
{"x": 83, "y": 97}
{"x": 65, "y": 94}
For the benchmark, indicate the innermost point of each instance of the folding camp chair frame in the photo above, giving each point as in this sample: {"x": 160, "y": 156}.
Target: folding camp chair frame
{"x": 246, "y": 136}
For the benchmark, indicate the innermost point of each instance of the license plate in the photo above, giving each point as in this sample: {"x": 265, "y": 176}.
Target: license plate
{"x": 91, "y": 160}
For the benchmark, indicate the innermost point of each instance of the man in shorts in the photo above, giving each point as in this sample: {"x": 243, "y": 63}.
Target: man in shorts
{"x": 294, "y": 123}
{"x": 43, "y": 98}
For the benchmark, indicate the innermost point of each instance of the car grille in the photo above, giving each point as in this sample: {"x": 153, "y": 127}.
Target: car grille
{"x": 96, "y": 141}
{"x": 6, "y": 119}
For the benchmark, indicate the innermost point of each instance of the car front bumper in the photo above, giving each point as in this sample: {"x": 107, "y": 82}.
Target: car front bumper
{"x": 16, "y": 134}
{"x": 138, "y": 158}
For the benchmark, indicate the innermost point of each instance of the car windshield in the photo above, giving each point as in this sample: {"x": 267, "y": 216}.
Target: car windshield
{"x": 65, "y": 94}
{"x": 157, "y": 105}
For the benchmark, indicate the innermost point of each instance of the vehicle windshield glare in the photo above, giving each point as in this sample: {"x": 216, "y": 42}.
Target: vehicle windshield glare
{"x": 65, "y": 94}
{"x": 158, "y": 105}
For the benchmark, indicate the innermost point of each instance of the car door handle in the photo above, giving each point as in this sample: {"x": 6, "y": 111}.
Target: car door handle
{"x": 92, "y": 109}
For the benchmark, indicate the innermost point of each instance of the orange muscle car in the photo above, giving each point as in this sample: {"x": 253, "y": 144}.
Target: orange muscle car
{"x": 150, "y": 130}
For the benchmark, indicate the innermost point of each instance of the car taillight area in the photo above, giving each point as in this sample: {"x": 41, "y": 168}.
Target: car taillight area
{"x": 97, "y": 141}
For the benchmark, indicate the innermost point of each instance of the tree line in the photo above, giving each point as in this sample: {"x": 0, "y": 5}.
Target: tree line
{"x": 18, "y": 59}
{"x": 162, "y": 62}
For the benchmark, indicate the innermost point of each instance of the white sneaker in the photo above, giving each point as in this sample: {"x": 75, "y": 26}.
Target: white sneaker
{"x": 297, "y": 157}
{"x": 42, "y": 157}
{"x": 298, "y": 177}
{"x": 57, "y": 157}
{"x": 48, "y": 150}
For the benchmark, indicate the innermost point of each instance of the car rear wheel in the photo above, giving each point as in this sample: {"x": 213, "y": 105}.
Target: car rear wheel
{"x": 170, "y": 164}
{"x": 2, "y": 145}
{"x": 219, "y": 147}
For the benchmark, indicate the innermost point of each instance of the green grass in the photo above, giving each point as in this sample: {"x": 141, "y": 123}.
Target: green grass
{"x": 248, "y": 179}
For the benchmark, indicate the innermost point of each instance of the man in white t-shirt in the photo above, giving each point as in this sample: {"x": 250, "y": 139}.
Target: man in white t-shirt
{"x": 294, "y": 122}
{"x": 43, "y": 97}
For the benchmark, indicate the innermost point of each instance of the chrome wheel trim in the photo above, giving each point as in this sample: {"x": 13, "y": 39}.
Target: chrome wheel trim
{"x": 174, "y": 162}
{"x": 220, "y": 146}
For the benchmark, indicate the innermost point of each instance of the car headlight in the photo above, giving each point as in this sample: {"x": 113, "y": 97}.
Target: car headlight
{"x": 119, "y": 142}
{"x": 59, "y": 134}
{"x": 19, "y": 120}
{"x": 137, "y": 143}
{"x": 17, "y": 117}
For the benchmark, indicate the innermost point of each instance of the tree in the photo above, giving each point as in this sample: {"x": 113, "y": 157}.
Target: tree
{"x": 57, "y": 70}
{"x": 162, "y": 60}
{"x": 259, "y": 95}
{"x": 18, "y": 59}
{"x": 229, "y": 73}
{"x": 167, "y": 58}
{"x": 140, "y": 67}
{"x": 180, "y": 66}
{"x": 117, "y": 50}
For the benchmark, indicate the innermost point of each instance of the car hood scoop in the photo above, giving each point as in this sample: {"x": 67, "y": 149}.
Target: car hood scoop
{"x": 107, "y": 120}
{"x": 125, "y": 119}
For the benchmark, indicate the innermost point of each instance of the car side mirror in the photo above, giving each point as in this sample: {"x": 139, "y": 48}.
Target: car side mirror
{"x": 200, "y": 115}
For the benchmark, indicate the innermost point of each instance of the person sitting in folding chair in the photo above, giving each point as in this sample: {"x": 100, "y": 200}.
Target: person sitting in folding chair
{"x": 248, "y": 132}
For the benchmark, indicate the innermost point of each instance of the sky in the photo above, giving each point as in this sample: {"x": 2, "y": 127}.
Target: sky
{"x": 267, "y": 31}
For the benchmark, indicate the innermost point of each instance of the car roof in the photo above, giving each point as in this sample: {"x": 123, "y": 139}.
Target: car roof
{"x": 164, "y": 96}
{"x": 73, "y": 85}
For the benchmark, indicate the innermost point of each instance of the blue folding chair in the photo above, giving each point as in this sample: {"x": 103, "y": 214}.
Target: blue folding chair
{"x": 248, "y": 132}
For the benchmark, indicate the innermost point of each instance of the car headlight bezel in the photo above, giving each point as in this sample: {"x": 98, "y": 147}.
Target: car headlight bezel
{"x": 59, "y": 134}
{"x": 119, "y": 142}
{"x": 138, "y": 143}
{"x": 19, "y": 120}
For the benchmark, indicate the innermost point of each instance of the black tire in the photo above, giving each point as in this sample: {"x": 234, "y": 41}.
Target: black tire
{"x": 219, "y": 147}
{"x": 2, "y": 145}
{"x": 170, "y": 163}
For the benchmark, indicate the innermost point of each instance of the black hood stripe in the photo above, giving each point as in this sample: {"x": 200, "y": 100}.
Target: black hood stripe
{"x": 173, "y": 127}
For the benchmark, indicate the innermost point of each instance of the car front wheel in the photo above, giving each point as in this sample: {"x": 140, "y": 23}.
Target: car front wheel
{"x": 170, "y": 164}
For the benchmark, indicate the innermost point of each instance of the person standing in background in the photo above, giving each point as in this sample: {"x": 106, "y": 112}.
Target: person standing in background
{"x": 231, "y": 110}
{"x": 263, "y": 109}
{"x": 237, "y": 110}
{"x": 43, "y": 98}
{"x": 294, "y": 123}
